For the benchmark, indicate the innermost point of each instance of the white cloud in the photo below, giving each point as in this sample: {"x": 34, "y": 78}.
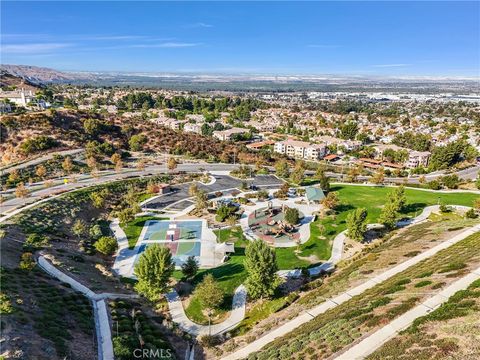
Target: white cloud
{"x": 167, "y": 45}
{"x": 32, "y": 48}
{"x": 199, "y": 25}
{"x": 390, "y": 65}
{"x": 114, "y": 37}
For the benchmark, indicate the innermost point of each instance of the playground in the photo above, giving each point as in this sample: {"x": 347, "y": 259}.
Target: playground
{"x": 268, "y": 223}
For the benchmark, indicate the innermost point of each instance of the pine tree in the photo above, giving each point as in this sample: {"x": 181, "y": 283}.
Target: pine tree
{"x": 281, "y": 169}
{"x": 209, "y": 293}
{"x": 356, "y": 224}
{"x": 190, "y": 267}
{"x": 261, "y": 266}
{"x": 389, "y": 215}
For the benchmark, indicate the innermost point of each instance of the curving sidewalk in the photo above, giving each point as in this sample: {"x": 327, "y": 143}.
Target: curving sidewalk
{"x": 237, "y": 314}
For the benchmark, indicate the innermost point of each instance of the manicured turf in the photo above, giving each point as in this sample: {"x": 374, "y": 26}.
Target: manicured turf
{"x": 134, "y": 228}
{"x": 229, "y": 275}
{"x": 372, "y": 199}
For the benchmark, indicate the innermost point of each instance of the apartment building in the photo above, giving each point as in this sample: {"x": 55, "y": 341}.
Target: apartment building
{"x": 418, "y": 158}
{"x": 415, "y": 158}
{"x": 301, "y": 149}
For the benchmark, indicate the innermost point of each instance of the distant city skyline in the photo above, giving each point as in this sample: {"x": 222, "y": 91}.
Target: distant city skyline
{"x": 408, "y": 39}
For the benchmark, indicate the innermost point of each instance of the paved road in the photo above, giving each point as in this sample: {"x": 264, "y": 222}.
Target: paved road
{"x": 36, "y": 161}
{"x": 375, "y": 340}
{"x": 305, "y": 317}
{"x": 107, "y": 176}
{"x": 104, "y": 177}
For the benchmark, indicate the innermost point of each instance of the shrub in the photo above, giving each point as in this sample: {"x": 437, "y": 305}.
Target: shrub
{"x": 292, "y": 216}
{"x": 27, "y": 262}
{"x": 35, "y": 241}
{"x": 423, "y": 283}
{"x": 453, "y": 267}
{"x": 38, "y": 143}
{"x": 444, "y": 208}
{"x": 470, "y": 214}
{"x": 106, "y": 245}
{"x": 224, "y": 212}
{"x": 209, "y": 340}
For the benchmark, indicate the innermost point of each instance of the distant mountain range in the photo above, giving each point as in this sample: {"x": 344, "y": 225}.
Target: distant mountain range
{"x": 41, "y": 75}
{"x": 245, "y": 82}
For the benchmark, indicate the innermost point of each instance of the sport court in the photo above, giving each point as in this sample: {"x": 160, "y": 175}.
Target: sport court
{"x": 181, "y": 237}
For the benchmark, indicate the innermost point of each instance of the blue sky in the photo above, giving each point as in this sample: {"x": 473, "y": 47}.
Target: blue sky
{"x": 367, "y": 38}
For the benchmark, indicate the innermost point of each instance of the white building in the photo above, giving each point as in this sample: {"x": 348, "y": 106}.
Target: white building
{"x": 301, "y": 149}
{"x": 417, "y": 158}
{"x": 349, "y": 145}
{"x": 195, "y": 128}
{"x": 22, "y": 98}
{"x": 227, "y": 134}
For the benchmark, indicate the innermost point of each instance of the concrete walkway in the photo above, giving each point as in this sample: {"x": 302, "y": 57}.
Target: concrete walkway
{"x": 343, "y": 297}
{"x": 123, "y": 266}
{"x": 100, "y": 311}
{"x": 375, "y": 340}
{"x": 236, "y": 315}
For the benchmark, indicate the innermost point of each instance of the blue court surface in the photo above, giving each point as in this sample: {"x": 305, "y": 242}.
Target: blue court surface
{"x": 180, "y": 250}
{"x": 187, "y": 230}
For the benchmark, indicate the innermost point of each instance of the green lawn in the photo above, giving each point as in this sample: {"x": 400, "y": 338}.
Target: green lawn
{"x": 371, "y": 198}
{"x": 134, "y": 228}
{"x": 229, "y": 275}
{"x": 145, "y": 196}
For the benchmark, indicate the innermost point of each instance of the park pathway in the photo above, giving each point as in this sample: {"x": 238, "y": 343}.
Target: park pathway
{"x": 100, "y": 311}
{"x": 237, "y": 314}
{"x": 345, "y": 296}
{"x": 375, "y": 340}
{"x": 177, "y": 312}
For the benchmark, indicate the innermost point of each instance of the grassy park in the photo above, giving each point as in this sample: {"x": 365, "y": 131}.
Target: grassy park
{"x": 317, "y": 249}
{"x": 323, "y": 231}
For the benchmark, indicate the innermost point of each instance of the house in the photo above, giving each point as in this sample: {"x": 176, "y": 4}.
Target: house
{"x": 173, "y": 124}
{"x": 260, "y": 144}
{"x": 22, "y": 98}
{"x": 370, "y": 163}
{"x": 314, "y": 194}
{"x": 380, "y": 149}
{"x": 415, "y": 158}
{"x": 195, "y": 128}
{"x": 301, "y": 149}
{"x": 226, "y": 135}
{"x": 331, "y": 157}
